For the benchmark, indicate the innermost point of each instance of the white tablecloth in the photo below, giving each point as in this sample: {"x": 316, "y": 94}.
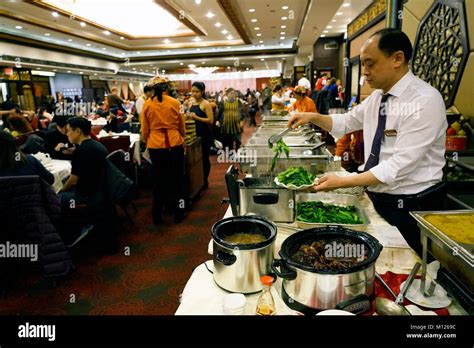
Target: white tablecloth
{"x": 61, "y": 169}
{"x": 134, "y": 143}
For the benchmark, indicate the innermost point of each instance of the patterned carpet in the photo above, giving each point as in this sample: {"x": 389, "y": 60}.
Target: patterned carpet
{"x": 147, "y": 282}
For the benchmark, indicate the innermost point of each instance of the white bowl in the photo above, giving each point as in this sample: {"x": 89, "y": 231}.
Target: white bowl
{"x": 233, "y": 304}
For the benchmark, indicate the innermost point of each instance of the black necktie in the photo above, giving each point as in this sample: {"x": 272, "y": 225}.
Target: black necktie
{"x": 373, "y": 159}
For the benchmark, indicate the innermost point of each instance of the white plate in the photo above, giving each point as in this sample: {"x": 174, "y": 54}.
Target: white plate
{"x": 294, "y": 187}
{"x": 440, "y": 298}
{"x": 334, "y": 312}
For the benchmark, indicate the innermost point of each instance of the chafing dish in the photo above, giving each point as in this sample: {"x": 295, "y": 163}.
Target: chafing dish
{"x": 336, "y": 199}
{"x": 456, "y": 257}
{"x": 290, "y": 141}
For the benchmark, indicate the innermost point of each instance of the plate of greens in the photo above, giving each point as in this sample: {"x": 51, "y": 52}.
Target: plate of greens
{"x": 295, "y": 178}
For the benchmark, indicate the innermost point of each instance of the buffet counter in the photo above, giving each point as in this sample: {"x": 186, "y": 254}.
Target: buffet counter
{"x": 202, "y": 296}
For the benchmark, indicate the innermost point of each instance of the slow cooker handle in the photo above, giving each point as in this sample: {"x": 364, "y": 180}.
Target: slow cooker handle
{"x": 225, "y": 258}
{"x": 284, "y": 272}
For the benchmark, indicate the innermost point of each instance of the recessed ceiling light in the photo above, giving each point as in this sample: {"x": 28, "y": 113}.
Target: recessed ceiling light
{"x": 123, "y": 53}
{"x": 338, "y": 13}
{"x": 323, "y": 35}
{"x": 55, "y": 69}
{"x": 346, "y": 4}
{"x": 80, "y": 72}
{"x": 168, "y": 51}
{"x": 251, "y": 10}
{"x": 247, "y": 69}
{"x": 282, "y": 38}
{"x": 257, "y": 28}
{"x": 88, "y": 45}
{"x": 254, "y": 20}
{"x": 106, "y": 32}
{"x": 70, "y": 40}
{"x": 138, "y": 52}
{"x": 281, "y": 44}
{"x": 198, "y": 49}
{"x": 262, "y": 59}
{"x": 262, "y": 45}
{"x": 334, "y": 21}
{"x": 198, "y": 2}
{"x": 283, "y": 27}
{"x": 39, "y": 68}
{"x": 105, "y": 49}
{"x": 203, "y": 62}
{"x": 55, "y": 14}
{"x": 261, "y": 41}
{"x": 122, "y": 38}
{"x": 284, "y": 7}
{"x": 95, "y": 74}
{"x": 224, "y": 31}
{"x": 69, "y": 71}
{"x": 166, "y": 41}
{"x": 228, "y": 47}
{"x": 284, "y": 18}
{"x": 230, "y": 37}
{"x": 47, "y": 34}
{"x": 282, "y": 33}
{"x": 19, "y": 27}
{"x": 181, "y": 63}
{"x": 218, "y": 24}
{"x": 192, "y": 66}
{"x": 197, "y": 39}
{"x": 259, "y": 34}
{"x": 326, "y": 31}
{"x": 210, "y": 14}
{"x": 329, "y": 27}
{"x": 83, "y": 24}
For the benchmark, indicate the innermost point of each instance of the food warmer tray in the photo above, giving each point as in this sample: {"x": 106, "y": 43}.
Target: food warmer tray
{"x": 336, "y": 199}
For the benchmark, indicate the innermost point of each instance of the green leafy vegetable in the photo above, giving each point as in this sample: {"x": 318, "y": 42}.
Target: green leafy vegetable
{"x": 280, "y": 147}
{"x": 297, "y": 176}
{"x": 318, "y": 212}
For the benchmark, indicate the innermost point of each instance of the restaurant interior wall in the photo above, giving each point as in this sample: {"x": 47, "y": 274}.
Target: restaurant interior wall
{"x": 326, "y": 53}
{"x": 413, "y": 13}
{"x": 69, "y": 85}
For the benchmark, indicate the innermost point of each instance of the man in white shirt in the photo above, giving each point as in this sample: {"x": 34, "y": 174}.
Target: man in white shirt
{"x": 304, "y": 82}
{"x": 404, "y": 123}
{"x": 147, "y": 93}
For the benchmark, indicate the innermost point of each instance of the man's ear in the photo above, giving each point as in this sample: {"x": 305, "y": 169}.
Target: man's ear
{"x": 398, "y": 58}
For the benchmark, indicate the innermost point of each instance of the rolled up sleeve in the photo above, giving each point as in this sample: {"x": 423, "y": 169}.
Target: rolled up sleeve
{"x": 350, "y": 121}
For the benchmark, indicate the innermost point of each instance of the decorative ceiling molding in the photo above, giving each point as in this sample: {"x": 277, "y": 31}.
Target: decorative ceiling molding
{"x": 179, "y": 15}
{"x": 163, "y": 3}
{"x": 232, "y": 14}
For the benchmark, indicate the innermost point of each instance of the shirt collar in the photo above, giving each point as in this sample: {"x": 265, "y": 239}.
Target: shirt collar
{"x": 398, "y": 88}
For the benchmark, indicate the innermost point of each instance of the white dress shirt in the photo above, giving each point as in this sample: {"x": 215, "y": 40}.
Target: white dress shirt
{"x": 413, "y": 159}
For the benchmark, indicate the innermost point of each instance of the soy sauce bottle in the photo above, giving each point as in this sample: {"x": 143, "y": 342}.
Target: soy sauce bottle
{"x": 265, "y": 303}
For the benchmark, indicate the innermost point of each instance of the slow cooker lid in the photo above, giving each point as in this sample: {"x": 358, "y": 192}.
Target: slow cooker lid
{"x": 292, "y": 244}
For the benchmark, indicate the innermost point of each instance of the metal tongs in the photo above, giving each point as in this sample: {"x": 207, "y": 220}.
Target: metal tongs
{"x": 277, "y": 137}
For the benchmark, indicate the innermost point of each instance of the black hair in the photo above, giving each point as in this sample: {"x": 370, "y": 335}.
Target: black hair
{"x": 277, "y": 88}
{"x": 61, "y": 121}
{"x": 202, "y": 88}
{"x": 82, "y": 123}
{"x": 10, "y": 154}
{"x": 158, "y": 90}
{"x": 147, "y": 89}
{"x": 392, "y": 40}
{"x": 229, "y": 90}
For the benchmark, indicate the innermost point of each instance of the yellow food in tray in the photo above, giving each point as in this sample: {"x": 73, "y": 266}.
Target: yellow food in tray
{"x": 458, "y": 227}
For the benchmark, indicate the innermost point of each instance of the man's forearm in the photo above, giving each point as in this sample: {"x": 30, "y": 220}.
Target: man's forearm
{"x": 323, "y": 121}
{"x": 363, "y": 179}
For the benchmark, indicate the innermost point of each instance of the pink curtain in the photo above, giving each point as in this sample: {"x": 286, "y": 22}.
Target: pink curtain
{"x": 125, "y": 90}
{"x": 220, "y": 85}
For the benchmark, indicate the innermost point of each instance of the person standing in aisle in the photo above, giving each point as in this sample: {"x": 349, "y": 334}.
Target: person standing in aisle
{"x": 278, "y": 99}
{"x": 304, "y": 82}
{"x": 253, "y": 108}
{"x": 266, "y": 98}
{"x": 201, "y": 112}
{"x": 404, "y": 123}
{"x": 230, "y": 118}
{"x": 163, "y": 132}
{"x": 147, "y": 94}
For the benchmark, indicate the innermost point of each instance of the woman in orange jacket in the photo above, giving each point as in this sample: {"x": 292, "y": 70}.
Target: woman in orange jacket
{"x": 303, "y": 102}
{"x": 163, "y": 132}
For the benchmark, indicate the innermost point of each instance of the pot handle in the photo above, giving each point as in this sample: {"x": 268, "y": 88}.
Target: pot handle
{"x": 265, "y": 198}
{"x": 284, "y": 272}
{"x": 225, "y": 258}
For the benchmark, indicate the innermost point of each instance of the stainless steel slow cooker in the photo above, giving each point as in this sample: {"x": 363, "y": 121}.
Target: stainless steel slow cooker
{"x": 238, "y": 268}
{"x": 309, "y": 290}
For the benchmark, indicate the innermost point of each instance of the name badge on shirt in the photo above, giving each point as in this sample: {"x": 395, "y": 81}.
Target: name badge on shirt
{"x": 390, "y": 132}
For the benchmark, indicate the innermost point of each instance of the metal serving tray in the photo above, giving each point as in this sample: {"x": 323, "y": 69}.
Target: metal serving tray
{"x": 336, "y": 199}
{"x": 458, "y": 258}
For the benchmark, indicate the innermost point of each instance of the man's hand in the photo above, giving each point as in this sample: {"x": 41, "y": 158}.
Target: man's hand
{"x": 299, "y": 119}
{"x": 331, "y": 182}
{"x": 59, "y": 147}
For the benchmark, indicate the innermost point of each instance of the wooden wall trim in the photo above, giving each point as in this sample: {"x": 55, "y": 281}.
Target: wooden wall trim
{"x": 232, "y": 14}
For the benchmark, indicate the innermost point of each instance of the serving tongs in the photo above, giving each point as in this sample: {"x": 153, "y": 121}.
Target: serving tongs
{"x": 277, "y": 137}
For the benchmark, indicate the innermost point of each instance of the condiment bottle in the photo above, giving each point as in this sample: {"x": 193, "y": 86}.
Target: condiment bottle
{"x": 265, "y": 303}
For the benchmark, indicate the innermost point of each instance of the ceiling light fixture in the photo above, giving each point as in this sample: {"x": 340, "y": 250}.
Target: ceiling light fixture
{"x": 198, "y": 2}
{"x": 47, "y": 34}
{"x": 83, "y": 24}
{"x": 138, "y": 52}
{"x": 70, "y": 40}
{"x": 334, "y": 21}
{"x": 252, "y": 10}
{"x": 259, "y": 34}
{"x": 254, "y": 20}
{"x": 166, "y": 41}
{"x": 218, "y": 24}
{"x": 346, "y": 4}
{"x": 88, "y": 45}
{"x": 329, "y": 27}
{"x": 283, "y": 27}
{"x": 339, "y": 14}
{"x": 323, "y": 35}
{"x": 326, "y": 31}
{"x": 122, "y": 38}
{"x": 262, "y": 59}
{"x": 282, "y": 38}
{"x": 230, "y": 37}
{"x": 197, "y": 39}
{"x": 224, "y": 31}
{"x": 103, "y": 48}
{"x": 95, "y": 74}
{"x": 181, "y": 63}
{"x": 284, "y": 18}
{"x": 69, "y": 71}
{"x": 55, "y": 14}
{"x": 80, "y": 72}
{"x": 106, "y": 32}
{"x": 19, "y": 27}
{"x": 282, "y": 33}
{"x": 284, "y": 7}
{"x": 210, "y": 14}
{"x": 257, "y": 28}
{"x": 261, "y": 41}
